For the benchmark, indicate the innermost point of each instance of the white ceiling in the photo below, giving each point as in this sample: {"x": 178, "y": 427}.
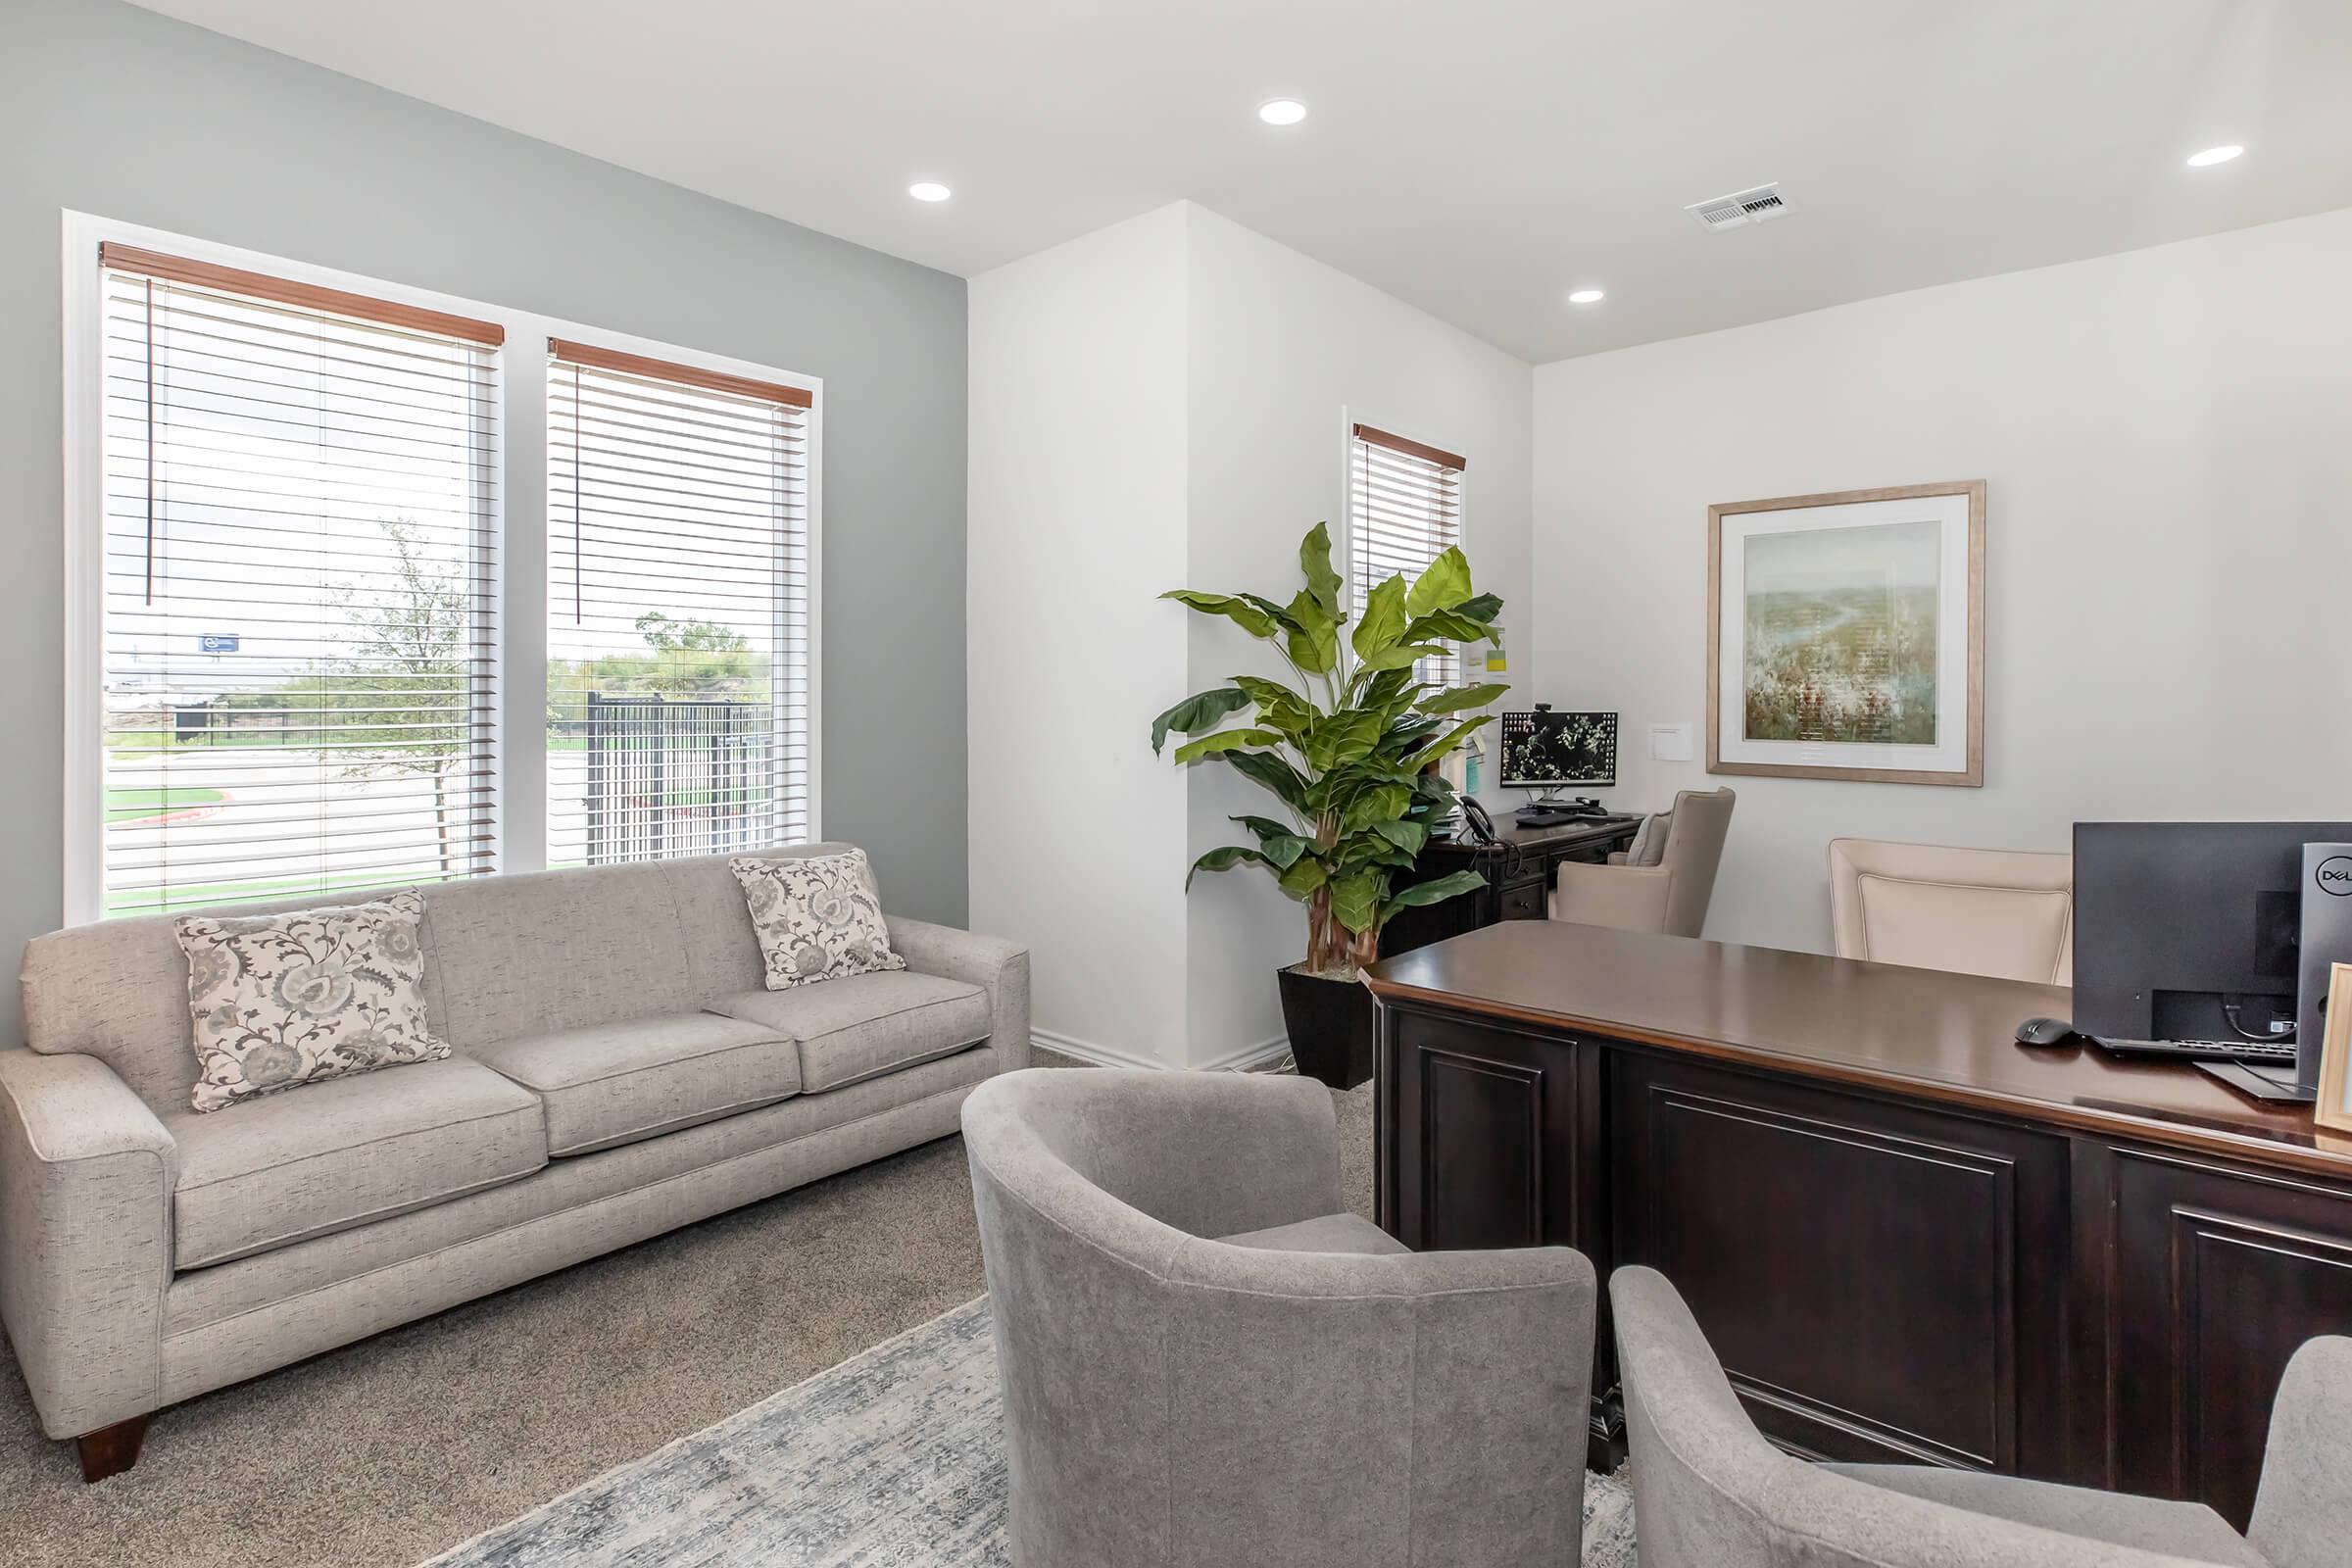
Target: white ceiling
{"x": 1478, "y": 157}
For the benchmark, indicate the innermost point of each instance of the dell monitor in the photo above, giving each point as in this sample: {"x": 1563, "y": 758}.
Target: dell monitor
{"x": 2192, "y": 932}
{"x": 1548, "y": 750}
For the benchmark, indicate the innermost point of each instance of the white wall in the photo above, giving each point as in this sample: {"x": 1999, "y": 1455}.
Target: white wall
{"x": 1284, "y": 352}
{"x": 2166, "y": 436}
{"x": 1077, "y": 520}
{"x": 1162, "y": 405}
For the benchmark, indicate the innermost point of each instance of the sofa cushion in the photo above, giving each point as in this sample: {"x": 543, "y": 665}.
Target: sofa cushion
{"x": 616, "y": 1083}
{"x": 343, "y": 1152}
{"x": 818, "y": 917}
{"x": 865, "y": 1024}
{"x": 281, "y": 1001}
{"x": 1325, "y": 1233}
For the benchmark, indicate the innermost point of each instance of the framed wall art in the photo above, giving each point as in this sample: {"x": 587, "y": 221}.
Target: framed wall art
{"x": 1845, "y": 636}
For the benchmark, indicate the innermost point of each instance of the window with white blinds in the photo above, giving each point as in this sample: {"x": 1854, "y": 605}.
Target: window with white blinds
{"x": 679, "y": 657}
{"x": 1405, "y": 510}
{"x": 298, "y": 661}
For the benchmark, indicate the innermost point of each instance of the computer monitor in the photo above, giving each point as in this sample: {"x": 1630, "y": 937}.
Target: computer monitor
{"x": 2192, "y": 930}
{"x": 1548, "y": 750}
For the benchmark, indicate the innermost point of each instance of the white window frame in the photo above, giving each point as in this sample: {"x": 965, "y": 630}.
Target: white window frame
{"x": 519, "y": 468}
{"x": 1350, "y": 419}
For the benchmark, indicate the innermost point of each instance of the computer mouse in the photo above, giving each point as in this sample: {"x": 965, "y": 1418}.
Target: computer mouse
{"x": 2044, "y": 1031}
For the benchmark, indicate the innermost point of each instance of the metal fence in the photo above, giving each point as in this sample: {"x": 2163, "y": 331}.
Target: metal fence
{"x": 669, "y": 778}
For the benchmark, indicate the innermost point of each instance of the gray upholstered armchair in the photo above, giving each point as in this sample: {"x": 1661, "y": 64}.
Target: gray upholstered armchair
{"x": 1206, "y": 1360}
{"x": 1709, "y": 1491}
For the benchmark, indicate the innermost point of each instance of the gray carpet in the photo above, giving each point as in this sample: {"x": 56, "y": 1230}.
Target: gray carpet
{"x": 396, "y": 1449}
{"x": 896, "y": 1456}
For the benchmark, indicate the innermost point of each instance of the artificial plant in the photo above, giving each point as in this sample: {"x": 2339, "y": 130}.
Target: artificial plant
{"x": 1348, "y": 746}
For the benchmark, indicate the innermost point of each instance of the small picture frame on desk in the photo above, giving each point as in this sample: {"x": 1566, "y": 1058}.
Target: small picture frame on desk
{"x": 2336, "y": 1053}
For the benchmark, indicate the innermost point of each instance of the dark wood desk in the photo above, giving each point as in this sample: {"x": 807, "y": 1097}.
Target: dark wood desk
{"x": 1908, "y": 1238}
{"x": 1518, "y": 868}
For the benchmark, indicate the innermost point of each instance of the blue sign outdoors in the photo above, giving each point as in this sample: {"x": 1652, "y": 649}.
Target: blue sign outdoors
{"x": 218, "y": 642}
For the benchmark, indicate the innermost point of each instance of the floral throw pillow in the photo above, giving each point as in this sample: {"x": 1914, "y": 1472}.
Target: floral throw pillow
{"x": 280, "y": 1000}
{"x": 818, "y": 918}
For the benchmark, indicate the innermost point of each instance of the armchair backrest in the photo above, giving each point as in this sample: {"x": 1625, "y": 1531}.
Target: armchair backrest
{"x": 1709, "y": 1491}
{"x": 1702, "y": 821}
{"x": 2008, "y": 914}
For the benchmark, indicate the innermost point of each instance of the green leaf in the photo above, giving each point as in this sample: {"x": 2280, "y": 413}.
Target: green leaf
{"x": 1224, "y": 860}
{"x": 1375, "y": 806}
{"x": 1315, "y": 643}
{"x": 1445, "y": 626}
{"x": 1483, "y": 608}
{"x": 1224, "y": 739}
{"x": 1454, "y": 699}
{"x": 1383, "y": 618}
{"x": 1281, "y": 844}
{"x": 1196, "y": 712}
{"x": 1347, "y": 735}
{"x": 1251, "y": 619}
{"x": 1406, "y": 835}
{"x": 1439, "y": 748}
{"x": 1436, "y": 890}
{"x": 1446, "y": 584}
{"x": 1402, "y": 657}
{"x": 1355, "y": 900}
{"x": 1305, "y": 875}
{"x": 1271, "y": 773}
{"x": 1314, "y": 559}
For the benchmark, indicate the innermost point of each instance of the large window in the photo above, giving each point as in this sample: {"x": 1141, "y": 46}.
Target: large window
{"x": 317, "y": 526}
{"x": 1405, "y": 510}
{"x": 296, "y": 666}
{"x": 678, "y": 649}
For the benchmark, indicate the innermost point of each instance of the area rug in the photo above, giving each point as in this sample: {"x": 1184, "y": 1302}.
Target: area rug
{"x": 892, "y": 1459}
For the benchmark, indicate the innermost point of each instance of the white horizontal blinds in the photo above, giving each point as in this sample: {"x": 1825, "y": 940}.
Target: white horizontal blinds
{"x": 298, "y": 665}
{"x": 679, "y": 658}
{"x": 1405, "y": 510}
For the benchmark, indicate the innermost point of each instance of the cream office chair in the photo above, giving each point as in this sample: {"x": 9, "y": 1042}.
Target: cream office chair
{"x": 1670, "y": 896}
{"x": 2009, "y": 913}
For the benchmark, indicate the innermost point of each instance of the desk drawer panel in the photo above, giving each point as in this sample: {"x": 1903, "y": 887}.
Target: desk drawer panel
{"x": 1867, "y": 1272}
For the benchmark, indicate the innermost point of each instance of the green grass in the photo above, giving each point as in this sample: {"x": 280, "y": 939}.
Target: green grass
{"x": 134, "y": 805}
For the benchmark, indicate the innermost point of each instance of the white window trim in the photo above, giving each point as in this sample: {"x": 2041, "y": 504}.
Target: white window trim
{"x": 519, "y": 467}
{"x": 1350, "y": 419}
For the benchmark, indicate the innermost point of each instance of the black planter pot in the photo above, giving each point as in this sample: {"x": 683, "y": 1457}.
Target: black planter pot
{"x": 1334, "y": 1026}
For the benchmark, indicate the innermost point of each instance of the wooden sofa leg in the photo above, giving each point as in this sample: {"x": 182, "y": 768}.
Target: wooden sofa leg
{"x": 111, "y": 1450}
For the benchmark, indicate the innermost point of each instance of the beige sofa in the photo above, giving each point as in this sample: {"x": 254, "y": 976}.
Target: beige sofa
{"x": 619, "y": 1070}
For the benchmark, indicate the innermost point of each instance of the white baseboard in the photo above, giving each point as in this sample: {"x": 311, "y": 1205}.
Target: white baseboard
{"x": 1244, "y": 1059}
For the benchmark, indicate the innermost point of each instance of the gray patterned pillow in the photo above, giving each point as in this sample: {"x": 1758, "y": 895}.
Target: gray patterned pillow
{"x": 818, "y": 918}
{"x": 280, "y": 1000}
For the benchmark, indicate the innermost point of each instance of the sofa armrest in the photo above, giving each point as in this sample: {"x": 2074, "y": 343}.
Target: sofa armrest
{"x": 996, "y": 965}
{"x": 87, "y": 1175}
{"x": 2303, "y": 1508}
{"x": 1624, "y": 897}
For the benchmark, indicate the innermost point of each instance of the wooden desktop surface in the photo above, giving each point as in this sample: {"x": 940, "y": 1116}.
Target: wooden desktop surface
{"x": 1918, "y": 1032}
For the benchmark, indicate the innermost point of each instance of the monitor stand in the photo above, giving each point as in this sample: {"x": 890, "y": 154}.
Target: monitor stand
{"x": 2270, "y": 1085}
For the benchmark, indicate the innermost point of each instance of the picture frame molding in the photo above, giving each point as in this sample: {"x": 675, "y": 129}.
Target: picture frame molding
{"x": 1970, "y": 777}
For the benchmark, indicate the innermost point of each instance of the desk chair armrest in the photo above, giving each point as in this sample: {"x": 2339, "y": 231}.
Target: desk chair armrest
{"x": 87, "y": 1173}
{"x": 2303, "y": 1508}
{"x": 1625, "y": 898}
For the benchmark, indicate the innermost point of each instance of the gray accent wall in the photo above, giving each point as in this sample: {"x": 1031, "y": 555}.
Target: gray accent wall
{"x": 110, "y": 110}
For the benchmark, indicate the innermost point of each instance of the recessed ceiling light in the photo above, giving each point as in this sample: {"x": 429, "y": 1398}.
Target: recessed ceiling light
{"x": 2215, "y": 155}
{"x": 1282, "y": 111}
{"x": 1584, "y": 296}
{"x": 929, "y": 190}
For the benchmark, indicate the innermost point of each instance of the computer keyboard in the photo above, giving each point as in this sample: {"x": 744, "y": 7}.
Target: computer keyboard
{"x": 2202, "y": 1050}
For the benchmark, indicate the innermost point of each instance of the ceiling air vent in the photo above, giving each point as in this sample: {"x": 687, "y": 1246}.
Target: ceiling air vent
{"x": 1760, "y": 206}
